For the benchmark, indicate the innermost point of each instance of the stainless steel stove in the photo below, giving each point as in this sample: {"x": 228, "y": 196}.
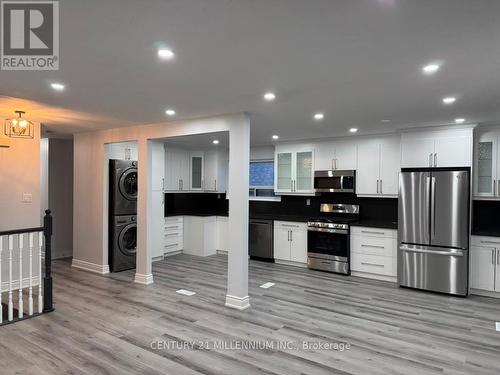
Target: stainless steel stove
{"x": 328, "y": 247}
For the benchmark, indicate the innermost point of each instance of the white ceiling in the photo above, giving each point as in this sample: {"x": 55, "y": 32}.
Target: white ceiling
{"x": 358, "y": 61}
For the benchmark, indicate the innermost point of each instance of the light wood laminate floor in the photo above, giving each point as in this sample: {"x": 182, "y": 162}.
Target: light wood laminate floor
{"x": 107, "y": 324}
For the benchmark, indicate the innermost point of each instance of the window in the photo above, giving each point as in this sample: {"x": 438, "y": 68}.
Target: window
{"x": 261, "y": 178}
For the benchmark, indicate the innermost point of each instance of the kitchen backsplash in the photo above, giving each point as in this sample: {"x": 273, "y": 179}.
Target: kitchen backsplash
{"x": 486, "y": 217}
{"x": 381, "y": 209}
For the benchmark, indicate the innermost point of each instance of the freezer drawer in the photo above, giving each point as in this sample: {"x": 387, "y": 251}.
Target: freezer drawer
{"x": 435, "y": 269}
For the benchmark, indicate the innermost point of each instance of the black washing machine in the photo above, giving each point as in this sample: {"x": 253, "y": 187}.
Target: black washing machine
{"x": 123, "y": 180}
{"x": 122, "y": 242}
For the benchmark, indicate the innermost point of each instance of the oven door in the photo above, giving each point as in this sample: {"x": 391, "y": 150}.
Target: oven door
{"x": 329, "y": 244}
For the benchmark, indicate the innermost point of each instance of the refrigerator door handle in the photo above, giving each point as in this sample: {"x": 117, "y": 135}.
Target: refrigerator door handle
{"x": 433, "y": 207}
{"x": 455, "y": 253}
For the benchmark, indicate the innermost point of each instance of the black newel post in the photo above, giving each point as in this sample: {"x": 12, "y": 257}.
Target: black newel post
{"x": 47, "y": 280}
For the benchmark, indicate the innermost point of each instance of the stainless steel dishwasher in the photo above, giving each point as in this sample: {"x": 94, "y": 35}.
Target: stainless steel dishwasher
{"x": 260, "y": 238}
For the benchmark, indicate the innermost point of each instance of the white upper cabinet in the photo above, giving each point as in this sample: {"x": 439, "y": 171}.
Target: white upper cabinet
{"x": 177, "y": 170}
{"x": 216, "y": 168}
{"x": 378, "y": 166}
{"x": 157, "y": 166}
{"x": 335, "y": 155}
{"x": 487, "y": 164}
{"x": 294, "y": 170}
{"x": 437, "y": 148}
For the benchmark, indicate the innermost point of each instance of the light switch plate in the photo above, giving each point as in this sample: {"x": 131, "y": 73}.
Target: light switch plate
{"x": 498, "y": 326}
{"x": 27, "y": 198}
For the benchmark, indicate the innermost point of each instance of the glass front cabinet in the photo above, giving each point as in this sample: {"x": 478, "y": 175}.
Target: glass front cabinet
{"x": 487, "y": 165}
{"x": 294, "y": 171}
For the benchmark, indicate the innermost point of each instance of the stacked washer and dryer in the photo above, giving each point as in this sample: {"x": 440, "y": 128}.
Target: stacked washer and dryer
{"x": 122, "y": 214}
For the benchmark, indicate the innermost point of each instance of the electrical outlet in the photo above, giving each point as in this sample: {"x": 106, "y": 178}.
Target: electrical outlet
{"x": 308, "y": 202}
{"x": 27, "y": 198}
{"x": 498, "y": 326}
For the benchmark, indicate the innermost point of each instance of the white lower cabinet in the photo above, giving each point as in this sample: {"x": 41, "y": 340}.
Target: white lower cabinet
{"x": 222, "y": 233}
{"x": 290, "y": 242}
{"x": 174, "y": 234}
{"x": 485, "y": 264}
{"x": 374, "y": 253}
{"x": 200, "y": 235}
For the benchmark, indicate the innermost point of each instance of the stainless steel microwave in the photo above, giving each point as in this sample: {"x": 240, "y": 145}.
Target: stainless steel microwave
{"x": 335, "y": 181}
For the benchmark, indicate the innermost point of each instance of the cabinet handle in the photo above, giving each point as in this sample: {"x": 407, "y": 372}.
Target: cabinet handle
{"x": 374, "y": 246}
{"x": 436, "y": 159}
{"x": 495, "y": 191}
{"x": 372, "y": 264}
{"x": 498, "y": 257}
{"x": 493, "y": 256}
{"x": 291, "y": 236}
{"x": 215, "y": 184}
{"x": 171, "y": 234}
{"x": 498, "y": 186}
{"x": 172, "y": 245}
{"x": 163, "y": 184}
{"x": 380, "y": 186}
{"x": 372, "y": 232}
{"x": 377, "y": 186}
{"x": 288, "y": 239}
{"x": 430, "y": 159}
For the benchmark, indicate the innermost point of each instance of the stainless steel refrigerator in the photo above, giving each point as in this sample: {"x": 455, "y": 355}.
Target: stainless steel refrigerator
{"x": 433, "y": 230}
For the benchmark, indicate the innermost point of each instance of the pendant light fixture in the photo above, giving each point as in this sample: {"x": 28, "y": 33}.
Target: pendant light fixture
{"x": 19, "y": 127}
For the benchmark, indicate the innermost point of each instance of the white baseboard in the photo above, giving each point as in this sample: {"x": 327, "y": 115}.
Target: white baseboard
{"x": 367, "y": 275}
{"x": 90, "y": 267}
{"x": 4, "y": 287}
{"x": 290, "y": 263}
{"x": 177, "y": 252}
{"x": 239, "y": 303}
{"x": 484, "y": 293}
{"x": 143, "y": 279}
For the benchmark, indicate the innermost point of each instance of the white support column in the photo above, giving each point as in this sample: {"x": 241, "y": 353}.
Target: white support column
{"x": 237, "y": 273}
{"x": 144, "y": 274}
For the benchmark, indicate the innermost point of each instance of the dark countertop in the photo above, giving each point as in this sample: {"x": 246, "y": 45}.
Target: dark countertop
{"x": 197, "y": 214}
{"x": 486, "y": 233}
{"x": 372, "y": 223}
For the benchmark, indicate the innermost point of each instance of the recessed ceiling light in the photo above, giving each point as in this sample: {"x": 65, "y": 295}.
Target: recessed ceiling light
{"x": 430, "y": 69}
{"x": 165, "y": 54}
{"x": 449, "y": 100}
{"x": 269, "y": 96}
{"x": 215, "y": 141}
{"x": 276, "y": 137}
{"x": 459, "y": 120}
{"x": 319, "y": 116}
{"x": 57, "y": 86}
{"x": 353, "y": 130}
{"x": 170, "y": 112}
{"x": 385, "y": 120}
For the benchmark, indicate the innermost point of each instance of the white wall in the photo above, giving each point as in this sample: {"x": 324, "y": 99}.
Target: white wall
{"x": 20, "y": 173}
{"x": 262, "y": 153}
{"x": 60, "y": 195}
{"x": 90, "y": 216}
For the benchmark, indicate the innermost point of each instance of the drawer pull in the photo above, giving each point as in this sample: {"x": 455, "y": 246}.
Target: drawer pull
{"x": 172, "y": 245}
{"x": 372, "y": 232}
{"x": 374, "y": 246}
{"x": 171, "y": 234}
{"x": 172, "y": 227}
{"x": 372, "y": 264}
{"x": 491, "y": 242}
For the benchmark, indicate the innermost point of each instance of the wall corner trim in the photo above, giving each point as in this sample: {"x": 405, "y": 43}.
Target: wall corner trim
{"x": 143, "y": 279}
{"x": 239, "y": 303}
{"x": 102, "y": 269}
